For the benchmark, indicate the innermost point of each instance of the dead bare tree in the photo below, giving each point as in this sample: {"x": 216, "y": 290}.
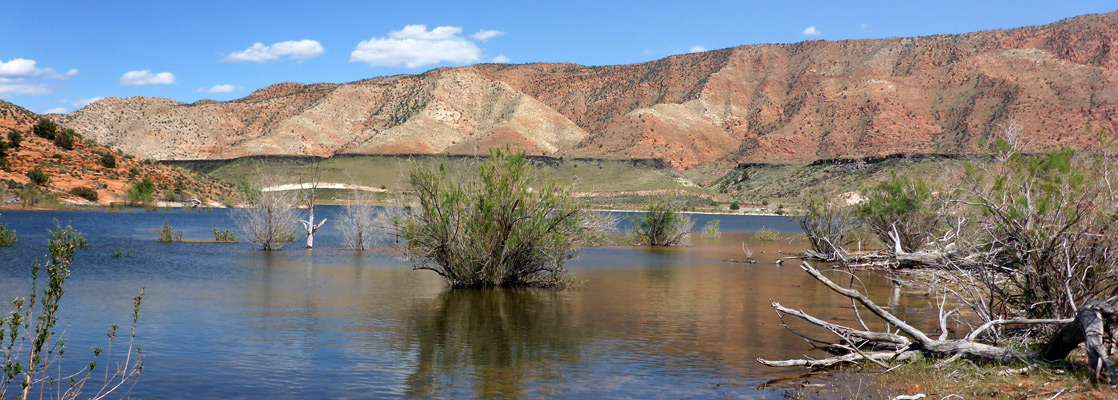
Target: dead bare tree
{"x": 898, "y": 341}
{"x": 309, "y": 191}
{"x": 269, "y": 219}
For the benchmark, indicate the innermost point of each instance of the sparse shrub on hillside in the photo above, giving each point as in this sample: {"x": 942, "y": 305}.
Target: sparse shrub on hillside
{"x": 85, "y": 193}
{"x": 504, "y": 229}
{"x": 38, "y": 177}
{"x": 15, "y": 138}
{"x": 65, "y": 139}
{"x": 45, "y": 129}
{"x": 108, "y": 160}
{"x": 663, "y": 223}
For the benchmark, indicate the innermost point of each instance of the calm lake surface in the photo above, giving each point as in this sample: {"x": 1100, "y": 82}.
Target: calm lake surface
{"x": 229, "y": 321}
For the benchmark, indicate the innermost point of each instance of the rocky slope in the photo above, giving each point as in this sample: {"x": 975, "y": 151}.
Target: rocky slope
{"x": 761, "y": 103}
{"x": 82, "y": 167}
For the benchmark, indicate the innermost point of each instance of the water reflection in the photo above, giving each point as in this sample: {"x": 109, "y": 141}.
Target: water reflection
{"x": 499, "y": 340}
{"x": 228, "y": 321}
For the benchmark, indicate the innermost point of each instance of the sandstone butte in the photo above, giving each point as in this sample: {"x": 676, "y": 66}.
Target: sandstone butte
{"x": 759, "y": 103}
{"x": 81, "y": 166}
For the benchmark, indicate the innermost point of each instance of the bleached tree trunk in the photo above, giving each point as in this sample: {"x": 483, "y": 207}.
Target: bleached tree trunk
{"x": 310, "y": 190}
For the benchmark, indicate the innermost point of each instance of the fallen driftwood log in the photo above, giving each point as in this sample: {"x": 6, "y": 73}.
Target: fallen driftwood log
{"x": 1094, "y": 324}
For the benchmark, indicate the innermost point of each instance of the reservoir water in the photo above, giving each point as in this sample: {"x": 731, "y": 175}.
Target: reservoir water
{"x": 230, "y": 321}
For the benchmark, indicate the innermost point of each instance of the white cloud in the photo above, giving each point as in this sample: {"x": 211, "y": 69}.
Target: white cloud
{"x": 811, "y": 31}
{"x": 24, "y": 68}
{"x": 291, "y": 50}
{"x": 647, "y": 52}
{"x": 484, "y": 35}
{"x": 415, "y": 46}
{"x": 22, "y": 87}
{"x": 145, "y": 77}
{"x": 698, "y": 49}
{"x": 865, "y": 27}
{"x": 501, "y": 59}
{"x": 81, "y": 103}
{"x": 57, "y": 110}
{"x": 220, "y": 89}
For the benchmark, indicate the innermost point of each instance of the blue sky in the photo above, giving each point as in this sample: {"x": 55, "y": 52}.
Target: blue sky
{"x": 56, "y": 56}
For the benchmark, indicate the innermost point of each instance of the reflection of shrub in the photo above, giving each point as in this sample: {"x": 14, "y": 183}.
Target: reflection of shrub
{"x": 767, "y": 235}
{"x": 168, "y": 234}
{"x": 662, "y": 224}
{"x": 504, "y": 229}
{"x": 85, "y": 193}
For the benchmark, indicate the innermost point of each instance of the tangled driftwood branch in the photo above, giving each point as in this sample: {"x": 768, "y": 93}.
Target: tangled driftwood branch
{"x": 1094, "y": 324}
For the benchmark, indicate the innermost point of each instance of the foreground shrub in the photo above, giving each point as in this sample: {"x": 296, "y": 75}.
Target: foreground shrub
{"x": 503, "y": 229}
{"x": 902, "y": 206}
{"x": 663, "y": 223}
{"x": 827, "y": 224}
{"x": 1045, "y": 225}
{"x": 32, "y": 342}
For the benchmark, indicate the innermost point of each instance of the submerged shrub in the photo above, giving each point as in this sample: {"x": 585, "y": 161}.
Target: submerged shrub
{"x": 710, "y": 230}
{"x": 502, "y": 229}
{"x": 663, "y": 223}
{"x": 827, "y": 224}
{"x": 168, "y": 234}
{"x": 767, "y": 235}
{"x": 7, "y": 236}
{"x": 224, "y": 236}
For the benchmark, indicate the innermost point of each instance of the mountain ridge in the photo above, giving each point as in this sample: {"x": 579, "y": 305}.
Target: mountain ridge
{"x": 796, "y": 102}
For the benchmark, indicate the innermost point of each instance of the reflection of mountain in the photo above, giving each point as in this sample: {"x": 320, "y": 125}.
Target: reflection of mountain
{"x": 501, "y": 340}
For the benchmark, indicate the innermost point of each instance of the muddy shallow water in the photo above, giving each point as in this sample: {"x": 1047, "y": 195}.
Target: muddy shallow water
{"x": 228, "y": 321}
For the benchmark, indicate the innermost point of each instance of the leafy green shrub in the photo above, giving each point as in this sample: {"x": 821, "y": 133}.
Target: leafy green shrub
{"x": 85, "y": 193}
{"x": 504, "y": 229}
{"x": 767, "y": 235}
{"x": 663, "y": 223}
{"x": 710, "y": 230}
{"x": 168, "y": 234}
{"x": 735, "y": 206}
{"x": 38, "y": 177}
{"x": 108, "y": 160}
{"x": 45, "y": 129}
{"x": 902, "y": 204}
{"x": 1046, "y": 226}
